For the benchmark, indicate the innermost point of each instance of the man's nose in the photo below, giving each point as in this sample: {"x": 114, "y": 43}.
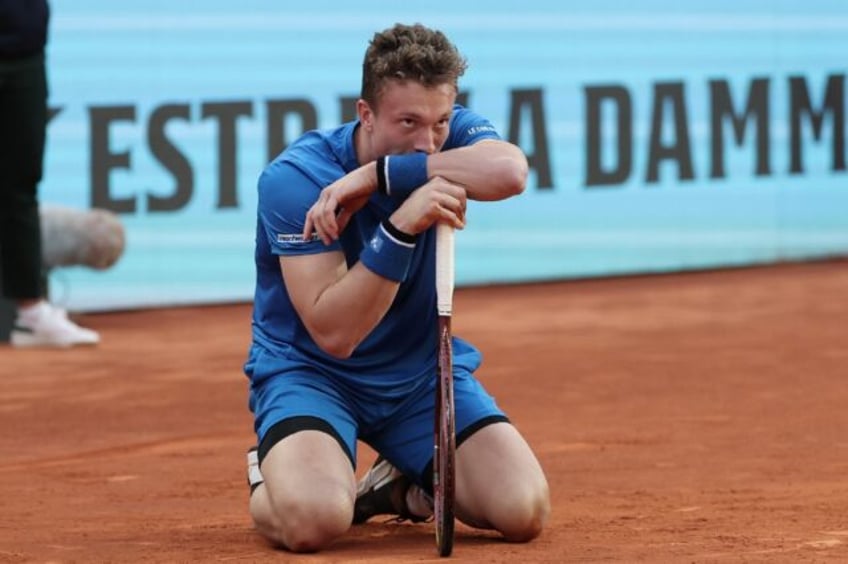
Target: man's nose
{"x": 426, "y": 142}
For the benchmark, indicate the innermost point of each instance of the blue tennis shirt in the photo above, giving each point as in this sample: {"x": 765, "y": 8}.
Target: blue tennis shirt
{"x": 401, "y": 350}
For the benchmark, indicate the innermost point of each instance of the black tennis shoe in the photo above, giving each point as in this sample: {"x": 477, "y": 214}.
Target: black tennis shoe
{"x": 382, "y": 491}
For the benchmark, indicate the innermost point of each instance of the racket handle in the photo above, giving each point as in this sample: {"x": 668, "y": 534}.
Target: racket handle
{"x": 444, "y": 268}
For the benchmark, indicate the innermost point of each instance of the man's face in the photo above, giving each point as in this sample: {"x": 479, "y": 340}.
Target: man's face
{"x": 410, "y": 117}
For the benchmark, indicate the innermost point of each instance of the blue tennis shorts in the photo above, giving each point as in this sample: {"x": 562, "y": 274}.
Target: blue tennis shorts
{"x": 401, "y": 430}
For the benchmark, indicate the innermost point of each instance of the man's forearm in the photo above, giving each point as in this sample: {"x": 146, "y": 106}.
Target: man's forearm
{"x": 348, "y": 310}
{"x": 489, "y": 169}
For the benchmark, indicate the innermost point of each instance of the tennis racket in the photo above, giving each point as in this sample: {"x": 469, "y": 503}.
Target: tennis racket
{"x": 444, "y": 474}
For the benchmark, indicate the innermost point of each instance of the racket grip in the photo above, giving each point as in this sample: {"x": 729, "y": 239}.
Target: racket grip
{"x": 444, "y": 268}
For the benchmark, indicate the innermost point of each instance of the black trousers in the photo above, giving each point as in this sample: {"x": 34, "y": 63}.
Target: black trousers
{"x": 23, "y": 124}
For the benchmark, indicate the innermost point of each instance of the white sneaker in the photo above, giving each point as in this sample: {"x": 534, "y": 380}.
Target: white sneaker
{"x": 49, "y": 326}
{"x": 254, "y": 475}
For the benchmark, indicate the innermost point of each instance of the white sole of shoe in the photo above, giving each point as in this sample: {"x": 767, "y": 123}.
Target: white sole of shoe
{"x": 28, "y": 340}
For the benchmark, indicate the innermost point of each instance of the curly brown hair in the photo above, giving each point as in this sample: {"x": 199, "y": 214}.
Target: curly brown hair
{"x": 409, "y": 52}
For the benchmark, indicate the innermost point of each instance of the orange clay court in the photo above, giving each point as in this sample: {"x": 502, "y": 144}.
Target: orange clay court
{"x": 693, "y": 417}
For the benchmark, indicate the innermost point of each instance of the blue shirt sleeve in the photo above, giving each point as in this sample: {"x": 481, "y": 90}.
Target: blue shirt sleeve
{"x": 468, "y": 127}
{"x": 285, "y": 195}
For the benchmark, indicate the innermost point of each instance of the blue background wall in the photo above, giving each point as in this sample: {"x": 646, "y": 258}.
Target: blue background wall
{"x": 172, "y": 101}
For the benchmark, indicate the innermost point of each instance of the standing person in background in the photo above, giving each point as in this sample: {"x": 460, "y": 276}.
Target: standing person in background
{"x": 23, "y": 125}
{"x": 344, "y": 323}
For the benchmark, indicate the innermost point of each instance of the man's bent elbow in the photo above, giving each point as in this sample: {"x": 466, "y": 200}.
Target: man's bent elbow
{"x": 511, "y": 169}
{"x": 336, "y": 345}
{"x": 518, "y": 178}
{"x": 513, "y": 174}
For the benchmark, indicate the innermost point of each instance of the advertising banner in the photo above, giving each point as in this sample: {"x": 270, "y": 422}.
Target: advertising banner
{"x": 661, "y": 135}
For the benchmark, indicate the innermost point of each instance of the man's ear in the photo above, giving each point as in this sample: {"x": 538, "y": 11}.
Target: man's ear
{"x": 366, "y": 114}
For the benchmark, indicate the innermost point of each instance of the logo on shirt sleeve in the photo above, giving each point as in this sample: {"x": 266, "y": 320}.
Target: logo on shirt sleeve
{"x": 480, "y": 129}
{"x": 296, "y": 238}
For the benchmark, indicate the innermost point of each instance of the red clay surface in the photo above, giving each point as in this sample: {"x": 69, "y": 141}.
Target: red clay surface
{"x": 690, "y": 418}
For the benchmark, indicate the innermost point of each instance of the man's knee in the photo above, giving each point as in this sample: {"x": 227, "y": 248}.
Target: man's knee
{"x": 522, "y": 518}
{"x": 308, "y": 492}
{"x": 308, "y": 532}
{"x": 307, "y": 525}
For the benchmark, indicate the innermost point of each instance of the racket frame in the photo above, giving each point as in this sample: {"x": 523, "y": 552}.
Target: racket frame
{"x": 444, "y": 452}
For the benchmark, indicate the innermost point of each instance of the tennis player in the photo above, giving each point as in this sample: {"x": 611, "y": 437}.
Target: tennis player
{"x": 344, "y": 321}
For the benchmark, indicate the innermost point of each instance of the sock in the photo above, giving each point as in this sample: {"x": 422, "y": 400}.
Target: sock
{"x": 418, "y": 502}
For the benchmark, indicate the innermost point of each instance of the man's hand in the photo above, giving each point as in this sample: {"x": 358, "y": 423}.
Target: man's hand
{"x": 437, "y": 201}
{"x": 338, "y": 202}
